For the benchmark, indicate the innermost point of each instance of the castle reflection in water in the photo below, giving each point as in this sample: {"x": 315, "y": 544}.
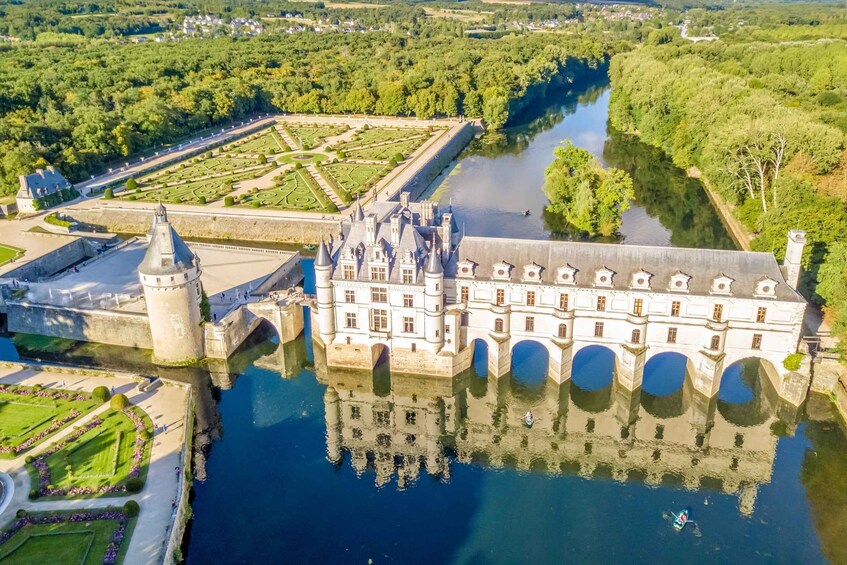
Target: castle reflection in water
{"x": 401, "y": 425}
{"x": 394, "y": 427}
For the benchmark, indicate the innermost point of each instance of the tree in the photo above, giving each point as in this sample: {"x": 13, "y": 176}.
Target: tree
{"x": 131, "y": 184}
{"x": 589, "y": 197}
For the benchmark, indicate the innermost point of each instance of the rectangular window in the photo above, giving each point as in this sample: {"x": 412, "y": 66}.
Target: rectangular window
{"x": 601, "y": 303}
{"x": 636, "y": 336}
{"x": 501, "y": 296}
{"x": 408, "y": 301}
{"x": 408, "y": 325}
{"x": 408, "y": 276}
{"x": 379, "y": 295}
{"x": 464, "y": 294}
{"x": 378, "y": 274}
{"x": 717, "y": 313}
{"x": 350, "y": 296}
{"x": 382, "y": 418}
{"x": 349, "y": 272}
{"x": 530, "y": 298}
{"x": 671, "y": 335}
{"x": 379, "y": 320}
{"x": 411, "y": 417}
{"x": 761, "y": 313}
{"x": 563, "y": 301}
{"x": 530, "y": 324}
{"x": 355, "y": 413}
{"x": 350, "y": 320}
{"x": 598, "y": 329}
{"x": 757, "y": 341}
{"x": 674, "y": 308}
{"x": 638, "y": 306}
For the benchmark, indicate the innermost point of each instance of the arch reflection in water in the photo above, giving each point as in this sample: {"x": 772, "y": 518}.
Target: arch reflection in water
{"x": 427, "y": 424}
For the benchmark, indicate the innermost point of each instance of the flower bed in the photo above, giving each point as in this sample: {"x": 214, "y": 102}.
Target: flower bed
{"x": 59, "y": 523}
{"x": 140, "y": 453}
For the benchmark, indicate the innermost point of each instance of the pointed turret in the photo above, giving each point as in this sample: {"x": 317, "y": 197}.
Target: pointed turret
{"x": 323, "y": 259}
{"x": 358, "y": 213}
{"x": 167, "y": 253}
{"x": 433, "y": 264}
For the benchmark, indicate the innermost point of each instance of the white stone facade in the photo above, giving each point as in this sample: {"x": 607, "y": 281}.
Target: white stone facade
{"x": 402, "y": 278}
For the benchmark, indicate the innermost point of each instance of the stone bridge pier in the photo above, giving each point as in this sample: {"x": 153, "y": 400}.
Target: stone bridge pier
{"x": 223, "y": 337}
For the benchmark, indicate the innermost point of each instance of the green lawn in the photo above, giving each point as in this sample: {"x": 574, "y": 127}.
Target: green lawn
{"x": 7, "y": 253}
{"x": 267, "y": 142}
{"x": 98, "y": 461}
{"x": 387, "y": 151}
{"x": 190, "y": 193}
{"x": 352, "y": 178}
{"x": 27, "y": 420}
{"x": 66, "y": 543}
{"x": 292, "y": 192}
{"x": 310, "y": 136}
{"x": 381, "y": 135}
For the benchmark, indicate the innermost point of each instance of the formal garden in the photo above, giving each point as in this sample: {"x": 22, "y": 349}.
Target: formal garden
{"x": 79, "y": 537}
{"x": 8, "y": 253}
{"x": 30, "y": 415}
{"x": 108, "y": 455}
{"x": 325, "y": 161}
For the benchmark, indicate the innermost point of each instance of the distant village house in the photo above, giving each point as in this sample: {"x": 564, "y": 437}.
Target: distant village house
{"x": 42, "y": 189}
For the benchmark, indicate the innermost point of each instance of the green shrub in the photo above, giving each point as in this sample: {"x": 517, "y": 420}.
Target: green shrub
{"x": 202, "y": 200}
{"x": 131, "y": 197}
{"x": 262, "y": 159}
{"x": 20, "y": 513}
{"x": 38, "y": 387}
{"x": 331, "y": 207}
{"x": 208, "y": 155}
{"x": 793, "y": 361}
{"x": 119, "y": 402}
{"x": 342, "y": 154}
{"x": 392, "y": 163}
{"x": 366, "y": 127}
{"x": 131, "y": 508}
{"x": 398, "y": 157}
{"x": 256, "y": 204}
{"x": 53, "y": 219}
{"x": 33, "y": 494}
{"x": 131, "y": 184}
{"x": 298, "y": 166}
{"x": 138, "y": 191}
{"x": 28, "y": 459}
{"x": 229, "y": 201}
{"x": 101, "y": 394}
{"x": 134, "y": 485}
{"x": 108, "y": 194}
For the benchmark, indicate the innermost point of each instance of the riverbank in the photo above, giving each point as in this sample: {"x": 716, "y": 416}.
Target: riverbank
{"x": 736, "y": 229}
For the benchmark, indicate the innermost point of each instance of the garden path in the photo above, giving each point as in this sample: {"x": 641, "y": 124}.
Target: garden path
{"x": 325, "y": 186}
{"x": 289, "y": 141}
{"x": 166, "y": 405}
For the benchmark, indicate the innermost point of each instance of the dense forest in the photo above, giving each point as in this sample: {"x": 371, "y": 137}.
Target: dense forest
{"x": 764, "y": 122}
{"x": 76, "y": 106}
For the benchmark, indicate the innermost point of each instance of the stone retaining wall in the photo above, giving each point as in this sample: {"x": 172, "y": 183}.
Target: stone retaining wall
{"x": 129, "y": 329}
{"x": 57, "y": 260}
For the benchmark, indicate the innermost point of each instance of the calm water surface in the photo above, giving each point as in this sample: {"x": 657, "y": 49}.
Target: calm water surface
{"x": 297, "y": 465}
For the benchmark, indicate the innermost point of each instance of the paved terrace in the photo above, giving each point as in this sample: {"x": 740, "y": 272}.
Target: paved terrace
{"x": 166, "y": 405}
{"x": 110, "y": 281}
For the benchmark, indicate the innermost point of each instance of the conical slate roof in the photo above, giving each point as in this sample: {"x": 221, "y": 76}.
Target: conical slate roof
{"x": 433, "y": 264}
{"x": 322, "y": 259}
{"x": 166, "y": 254}
{"x": 358, "y": 213}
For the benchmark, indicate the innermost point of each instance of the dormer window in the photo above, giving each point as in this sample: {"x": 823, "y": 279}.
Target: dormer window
{"x": 503, "y": 271}
{"x": 765, "y": 287}
{"x": 566, "y": 275}
{"x": 532, "y": 272}
{"x": 679, "y": 282}
{"x": 722, "y": 284}
{"x": 604, "y": 277}
{"x": 641, "y": 280}
{"x": 466, "y": 268}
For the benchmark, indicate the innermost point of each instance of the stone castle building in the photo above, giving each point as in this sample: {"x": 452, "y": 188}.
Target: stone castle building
{"x": 401, "y": 279}
{"x": 41, "y": 183}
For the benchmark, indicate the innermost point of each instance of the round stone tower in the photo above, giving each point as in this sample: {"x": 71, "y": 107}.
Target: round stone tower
{"x": 433, "y": 298}
{"x": 170, "y": 275}
{"x": 326, "y": 298}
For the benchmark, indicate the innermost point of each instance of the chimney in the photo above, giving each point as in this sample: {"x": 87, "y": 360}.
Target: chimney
{"x": 404, "y": 199}
{"x": 446, "y": 225}
{"x": 427, "y": 212}
{"x": 395, "y": 231}
{"x": 370, "y": 228}
{"x": 791, "y": 265}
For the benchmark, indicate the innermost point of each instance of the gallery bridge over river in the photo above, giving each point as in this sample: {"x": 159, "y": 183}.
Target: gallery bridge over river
{"x": 403, "y": 281}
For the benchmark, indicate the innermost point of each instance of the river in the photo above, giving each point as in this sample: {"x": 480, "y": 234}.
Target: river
{"x": 295, "y": 465}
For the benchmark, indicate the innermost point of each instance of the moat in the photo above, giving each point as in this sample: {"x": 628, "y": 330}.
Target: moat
{"x": 286, "y": 473}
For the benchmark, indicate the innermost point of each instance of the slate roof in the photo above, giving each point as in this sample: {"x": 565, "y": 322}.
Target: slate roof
{"x": 41, "y": 183}
{"x": 702, "y": 265}
{"x": 166, "y": 254}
